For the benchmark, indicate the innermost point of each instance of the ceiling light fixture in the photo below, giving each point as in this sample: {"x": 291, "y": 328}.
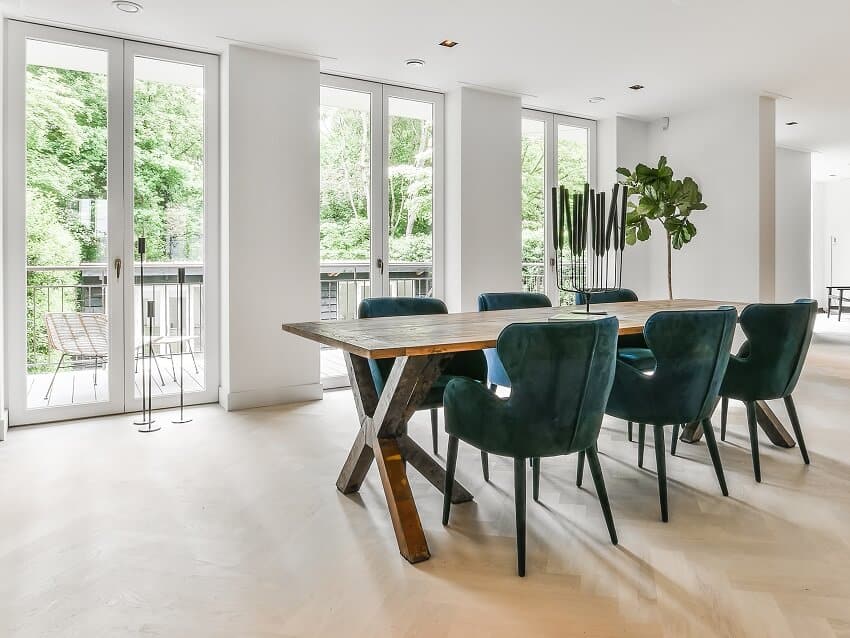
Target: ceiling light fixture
{"x": 415, "y": 62}
{"x": 833, "y": 174}
{"x": 448, "y": 44}
{"x": 596, "y": 100}
{"x": 637, "y": 87}
{"x": 127, "y": 6}
{"x": 791, "y": 123}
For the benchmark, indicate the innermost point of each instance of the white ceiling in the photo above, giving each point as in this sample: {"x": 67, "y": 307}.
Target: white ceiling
{"x": 557, "y": 53}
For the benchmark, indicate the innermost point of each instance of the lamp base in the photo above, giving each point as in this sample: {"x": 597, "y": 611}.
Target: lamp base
{"x": 181, "y": 420}
{"x": 150, "y": 427}
{"x": 589, "y": 312}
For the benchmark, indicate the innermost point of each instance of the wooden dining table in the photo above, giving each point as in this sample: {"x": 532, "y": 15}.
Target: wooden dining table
{"x": 422, "y": 346}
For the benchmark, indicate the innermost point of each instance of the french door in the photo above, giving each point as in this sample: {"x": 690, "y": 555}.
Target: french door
{"x": 381, "y": 199}
{"x": 108, "y": 141}
{"x": 556, "y": 150}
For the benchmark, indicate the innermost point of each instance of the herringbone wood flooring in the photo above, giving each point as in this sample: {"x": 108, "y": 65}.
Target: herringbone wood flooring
{"x": 231, "y": 526}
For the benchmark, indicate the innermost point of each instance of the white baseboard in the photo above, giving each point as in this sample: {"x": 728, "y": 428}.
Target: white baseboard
{"x": 231, "y": 401}
{"x": 4, "y": 424}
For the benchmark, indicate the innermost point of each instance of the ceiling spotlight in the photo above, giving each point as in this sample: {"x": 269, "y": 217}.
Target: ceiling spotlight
{"x": 126, "y": 6}
{"x": 637, "y": 87}
{"x": 415, "y": 62}
{"x": 596, "y": 100}
{"x": 448, "y": 44}
{"x": 791, "y": 123}
{"x": 833, "y": 174}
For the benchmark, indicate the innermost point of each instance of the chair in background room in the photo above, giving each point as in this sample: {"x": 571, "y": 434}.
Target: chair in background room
{"x": 768, "y": 364}
{"x": 691, "y": 349}
{"x": 464, "y": 364}
{"x": 540, "y": 418}
{"x": 496, "y": 375}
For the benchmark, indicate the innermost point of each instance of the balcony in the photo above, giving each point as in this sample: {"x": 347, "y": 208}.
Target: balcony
{"x": 83, "y": 289}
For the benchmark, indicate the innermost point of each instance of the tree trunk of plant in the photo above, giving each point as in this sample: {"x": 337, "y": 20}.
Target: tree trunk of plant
{"x": 670, "y": 266}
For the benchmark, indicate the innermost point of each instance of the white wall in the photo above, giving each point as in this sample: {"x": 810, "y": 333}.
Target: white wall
{"x": 4, "y": 421}
{"x": 793, "y": 224}
{"x": 831, "y": 221}
{"x": 483, "y": 196}
{"x": 270, "y": 227}
{"x": 722, "y": 147}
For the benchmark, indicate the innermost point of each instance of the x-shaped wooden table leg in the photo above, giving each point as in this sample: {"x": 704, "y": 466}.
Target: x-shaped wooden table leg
{"x": 383, "y": 438}
{"x": 767, "y": 420}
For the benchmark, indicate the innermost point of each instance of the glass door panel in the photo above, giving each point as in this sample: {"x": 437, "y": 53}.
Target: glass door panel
{"x": 410, "y": 197}
{"x": 63, "y": 173}
{"x": 534, "y": 215}
{"x": 168, "y": 211}
{"x": 346, "y": 210}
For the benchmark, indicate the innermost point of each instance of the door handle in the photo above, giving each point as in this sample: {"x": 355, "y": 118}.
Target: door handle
{"x": 380, "y": 264}
{"x": 117, "y": 263}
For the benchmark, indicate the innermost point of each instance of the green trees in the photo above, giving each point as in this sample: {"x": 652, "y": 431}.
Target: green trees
{"x": 345, "y": 186}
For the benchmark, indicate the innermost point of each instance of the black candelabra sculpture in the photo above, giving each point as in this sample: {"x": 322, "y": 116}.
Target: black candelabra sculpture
{"x": 588, "y": 241}
{"x": 181, "y": 279}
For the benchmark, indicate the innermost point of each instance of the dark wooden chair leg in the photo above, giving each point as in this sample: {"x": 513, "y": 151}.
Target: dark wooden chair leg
{"x": 754, "y": 439}
{"x": 451, "y": 461}
{"x": 519, "y": 499}
{"x": 711, "y": 442}
{"x": 485, "y": 465}
{"x": 641, "y": 441}
{"x": 601, "y": 492}
{"x": 580, "y": 469}
{"x": 434, "y": 429}
{"x": 630, "y": 431}
{"x": 798, "y": 432}
{"x": 493, "y": 387}
{"x": 661, "y": 468}
{"x": 724, "y": 411}
{"x": 675, "y": 440}
{"x": 535, "y": 478}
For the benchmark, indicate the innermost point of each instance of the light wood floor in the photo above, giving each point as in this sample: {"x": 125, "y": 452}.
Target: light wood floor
{"x": 231, "y": 526}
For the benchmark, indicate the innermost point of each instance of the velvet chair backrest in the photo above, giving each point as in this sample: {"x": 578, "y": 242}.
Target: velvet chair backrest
{"x": 507, "y": 301}
{"x": 561, "y": 373}
{"x": 610, "y": 296}
{"x": 691, "y": 348}
{"x": 468, "y": 364}
{"x": 769, "y": 363}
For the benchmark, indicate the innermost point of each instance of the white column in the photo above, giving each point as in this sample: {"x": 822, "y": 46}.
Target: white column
{"x": 270, "y": 227}
{"x": 4, "y": 421}
{"x": 483, "y": 196}
{"x": 793, "y": 224}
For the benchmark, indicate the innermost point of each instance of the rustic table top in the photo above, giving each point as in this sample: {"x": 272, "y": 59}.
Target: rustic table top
{"x": 386, "y": 337}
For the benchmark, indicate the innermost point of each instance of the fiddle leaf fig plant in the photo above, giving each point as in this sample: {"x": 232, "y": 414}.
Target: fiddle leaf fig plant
{"x": 655, "y": 195}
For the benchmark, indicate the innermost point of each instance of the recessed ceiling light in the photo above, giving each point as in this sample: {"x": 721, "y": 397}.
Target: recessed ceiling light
{"x": 791, "y": 123}
{"x": 448, "y": 44}
{"x": 415, "y": 62}
{"x": 637, "y": 87}
{"x": 833, "y": 174}
{"x": 126, "y": 6}
{"x": 596, "y": 100}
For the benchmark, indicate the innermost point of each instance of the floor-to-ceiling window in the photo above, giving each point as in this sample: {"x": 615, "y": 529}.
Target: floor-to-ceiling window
{"x": 556, "y": 150}
{"x": 108, "y": 141}
{"x": 381, "y": 198}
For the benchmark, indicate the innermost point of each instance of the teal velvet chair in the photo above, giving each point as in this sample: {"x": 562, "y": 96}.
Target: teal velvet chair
{"x": 496, "y": 373}
{"x": 631, "y": 348}
{"x": 561, "y": 374}
{"x": 691, "y": 349}
{"x": 768, "y": 364}
{"x": 463, "y": 364}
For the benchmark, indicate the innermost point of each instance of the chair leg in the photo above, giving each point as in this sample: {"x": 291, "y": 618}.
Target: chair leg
{"x": 434, "y": 429}
{"x": 192, "y": 354}
{"x": 493, "y": 387}
{"x": 580, "y": 469}
{"x": 50, "y": 387}
{"x": 601, "y": 492}
{"x": 519, "y": 498}
{"x": 485, "y": 466}
{"x": 95, "y": 370}
{"x": 641, "y": 441}
{"x": 675, "y": 440}
{"x": 798, "y": 432}
{"x": 711, "y": 442}
{"x": 630, "y": 431}
{"x": 451, "y": 461}
{"x": 754, "y": 439}
{"x": 661, "y": 468}
{"x": 535, "y": 478}
{"x": 171, "y": 356}
{"x": 724, "y": 411}
{"x": 155, "y": 358}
